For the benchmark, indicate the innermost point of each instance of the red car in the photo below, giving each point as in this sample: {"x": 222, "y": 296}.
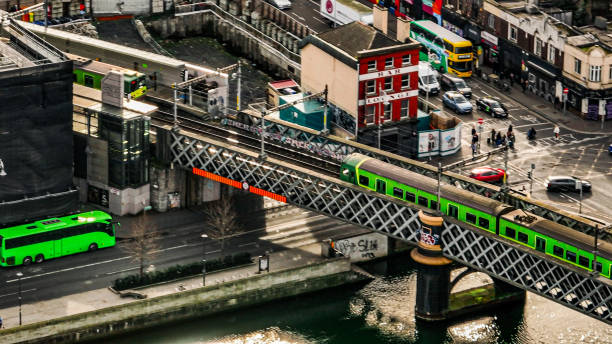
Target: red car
{"x": 488, "y": 174}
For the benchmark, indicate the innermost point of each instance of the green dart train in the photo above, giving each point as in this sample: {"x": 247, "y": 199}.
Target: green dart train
{"x": 485, "y": 213}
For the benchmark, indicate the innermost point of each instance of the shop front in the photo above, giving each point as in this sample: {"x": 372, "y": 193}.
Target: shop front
{"x": 544, "y": 79}
{"x": 490, "y": 47}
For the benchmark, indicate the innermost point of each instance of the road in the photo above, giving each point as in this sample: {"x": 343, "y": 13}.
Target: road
{"x": 582, "y": 155}
{"x": 289, "y": 228}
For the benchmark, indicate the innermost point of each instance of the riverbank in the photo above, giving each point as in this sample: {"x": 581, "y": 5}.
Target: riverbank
{"x": 101, "y": 313}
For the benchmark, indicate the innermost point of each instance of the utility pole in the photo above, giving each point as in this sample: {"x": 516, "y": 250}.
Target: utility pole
{"x": 262, "y": 153}
{"x": 174, "y": 109}
{"x": 239, "y": 86}
{"x": 46, "y": 6}
{"x": 325, "y": 130}
{"x": 439, "y": 180}
{"x": 531, "y": 179}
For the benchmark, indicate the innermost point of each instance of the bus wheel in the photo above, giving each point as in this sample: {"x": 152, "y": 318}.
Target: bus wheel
{"x": 27, "y": 260}
{"x": 39, "y": 258}
{"x": 93, "y": 247}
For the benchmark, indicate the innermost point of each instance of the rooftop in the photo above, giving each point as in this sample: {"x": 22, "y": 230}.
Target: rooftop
{"x": 20, "y": 48}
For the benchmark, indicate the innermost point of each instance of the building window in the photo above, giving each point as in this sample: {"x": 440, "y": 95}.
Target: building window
{"x": 552, "y": 53}
{"x": 369, "y": 117}
{"x": 405, "y": 81}
{"x": 577, "y": 66}
{"x": 372, "y": 65}
{"x": 610, "y": 74}
{"x": 595, "y": 73}
{"x": 389, "y": 62}
{"x": 405, "y": 60}
{"x": 388, "y": 84}
{"x": 491, "y": 21}
{"x": 538, "y": 47}
{"x": 370, "y": 86}
{"x": 387, "y": 112}
{"x": 513, "y": 33}
{"x": 404, "y": 109}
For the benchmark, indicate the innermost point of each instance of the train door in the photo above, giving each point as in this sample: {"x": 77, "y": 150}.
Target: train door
{"x": 453, "y": 211}
{"x": 540, "y": 244}
{"x": 88, "y": 80}
{"x": 381, "y": 186}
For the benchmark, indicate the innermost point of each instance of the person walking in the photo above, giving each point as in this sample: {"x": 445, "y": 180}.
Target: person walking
{"x": 523, "y": 86}
{"x": 556, "y": 131}
{"x": 493, "y": 136}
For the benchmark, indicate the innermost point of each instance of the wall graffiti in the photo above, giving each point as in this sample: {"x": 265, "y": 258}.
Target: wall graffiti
{"x": 363, "y": 247}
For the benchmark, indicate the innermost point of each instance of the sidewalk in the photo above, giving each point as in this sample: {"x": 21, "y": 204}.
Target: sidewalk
{"x": 102, "y": 298}
{"x": 162, "y": 221}
{"x": 543, "y": 108}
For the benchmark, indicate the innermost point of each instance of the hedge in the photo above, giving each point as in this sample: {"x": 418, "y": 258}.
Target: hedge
{"x": 178, "y": 271}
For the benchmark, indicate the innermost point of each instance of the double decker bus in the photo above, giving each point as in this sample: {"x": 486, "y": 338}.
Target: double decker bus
{"x": 56, "y": 237}
{"x": 453, "y": 52}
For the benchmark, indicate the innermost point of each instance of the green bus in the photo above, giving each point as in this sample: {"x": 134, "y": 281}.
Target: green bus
{"x": 56, "y": 237}
{"x": 453, "y": 53}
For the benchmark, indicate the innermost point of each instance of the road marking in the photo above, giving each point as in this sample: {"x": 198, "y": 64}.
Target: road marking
{"x": 319, "y": 20}
{"x": 247, "y": 244}
{"x": 120, "y": 271}
{"x": 298, "y": 17}
{"x": 70, "y": 269}
{"x": 23, "y": 291}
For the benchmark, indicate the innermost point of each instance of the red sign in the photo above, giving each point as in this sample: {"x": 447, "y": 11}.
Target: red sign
{"x": 565, "y": 90}
{"x": 480, "y": 121}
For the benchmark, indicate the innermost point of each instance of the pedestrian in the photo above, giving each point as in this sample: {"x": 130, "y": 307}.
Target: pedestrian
{"x": 510, "y": 129}
{"x": 493, "y": 136}
{"x": 498, "y": 139}
{"x": 511, "y": 79}
{"x": 556, "y": 130}
{"x": 473, "y": 149}
{"x": 503, "y": 140}
{"x": 523, "y": 85}
{"x": 473, "y": 130}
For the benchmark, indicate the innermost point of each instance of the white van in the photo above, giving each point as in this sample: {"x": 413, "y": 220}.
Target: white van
{"x": 428, "y": 79}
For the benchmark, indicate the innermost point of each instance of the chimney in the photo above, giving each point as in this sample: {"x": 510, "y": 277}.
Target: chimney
{"x": 403, "y": 29}
{"x": 380, "y": 20}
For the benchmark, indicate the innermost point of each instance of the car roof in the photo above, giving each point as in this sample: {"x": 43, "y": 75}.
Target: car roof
{"x": 560, "y": 177}
{"x": 450, "y": 76}
{"x": 452, "y": 93}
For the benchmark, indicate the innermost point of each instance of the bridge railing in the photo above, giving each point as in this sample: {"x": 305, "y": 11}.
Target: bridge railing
{"x": 484, "y": 251}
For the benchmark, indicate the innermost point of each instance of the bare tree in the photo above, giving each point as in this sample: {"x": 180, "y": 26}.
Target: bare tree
{"x": 222, "y": 219}
{"x": 144, "y": 244}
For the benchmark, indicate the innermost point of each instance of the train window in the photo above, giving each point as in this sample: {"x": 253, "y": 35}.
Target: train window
{"x": 558, "y": 251}
{"x": 89, "y": 81}
{"x": 397, "y": 192}
{"x": 471, "y": 218}
{"x": 422, "y": 201}
{"x": 571, "y": 256}
{"x": 363, "y": 180}
{"x": 410, "y": 197}
{"x": 433, "y": 205}
{"x": 522, "y": 237}
{"x": 482, "y": 222}
{"x": 453, "y": 211}
{"x": 540, "y": 244}
{"x": 584, "y": 261}
{"x": 510, "y": 233}
{"x": 597, "y": 266}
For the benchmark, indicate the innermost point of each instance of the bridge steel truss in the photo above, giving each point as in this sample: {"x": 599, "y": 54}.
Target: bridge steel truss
{"x": 483, "y": 251}
{"x": 336, "y": 148}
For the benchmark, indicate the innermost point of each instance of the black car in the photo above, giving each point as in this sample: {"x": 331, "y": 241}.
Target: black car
{"x": 450, "y": 82}
{"x": 567, "y": 183}
{"x": 492, "y": 106}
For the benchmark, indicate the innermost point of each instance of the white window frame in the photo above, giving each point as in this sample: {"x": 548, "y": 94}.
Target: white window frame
{"x": 405, "y": 108}
{"x": 372, "y": 65}
{"x": 552, "y": 53}
{"x": 491, "y": 21}
{"x": 389, "y": 63}
{"x": 389, "y": 81}
{"x": 595, "y": 73}
{"x": 370, "y": 114}
{"x": 405, "y": 81}
{"x": 370, "y": 86}
{"x": 406, "y": 60}
{"x": 537, "y": 49}
{"x": 387, "y": 112}
{"x": 515, "y": 31}
{"x": 577, "y": 66}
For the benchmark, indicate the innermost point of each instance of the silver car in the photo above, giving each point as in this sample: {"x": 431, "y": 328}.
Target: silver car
{"x": 280, "y": 4}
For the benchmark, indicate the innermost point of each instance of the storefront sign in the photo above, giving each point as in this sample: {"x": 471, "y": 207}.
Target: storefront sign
{"x": 489, "y": 37}
{"x": 390, "y": 72}
{"x": 389, "y": 97}
{"x": 309, "y": 146}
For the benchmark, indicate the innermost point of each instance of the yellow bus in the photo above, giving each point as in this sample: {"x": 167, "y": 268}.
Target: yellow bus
{"x": 445, "y": 50}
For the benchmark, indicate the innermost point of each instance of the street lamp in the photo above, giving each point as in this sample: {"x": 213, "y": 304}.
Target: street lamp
{"x": 382, "y": 112}
{"x": 262, "y": 153}
{"x": 204, "y": 237}
{"x": 238, "y": 76}
{"x": 19, "y": 275}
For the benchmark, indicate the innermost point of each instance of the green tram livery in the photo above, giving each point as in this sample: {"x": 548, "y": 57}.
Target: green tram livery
{"x": 89, "y": 73}
{"x": 496, "y": 217}
{"x": 56, "y": 237}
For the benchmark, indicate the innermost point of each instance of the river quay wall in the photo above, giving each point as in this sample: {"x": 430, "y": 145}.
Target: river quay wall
{"x": 177, "y": 306}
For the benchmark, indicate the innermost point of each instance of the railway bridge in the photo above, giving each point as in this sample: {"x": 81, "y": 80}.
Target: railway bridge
{"x": 305, "y": 174}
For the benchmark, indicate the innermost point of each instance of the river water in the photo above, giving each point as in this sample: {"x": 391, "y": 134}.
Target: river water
{"x": 380, "y": 311}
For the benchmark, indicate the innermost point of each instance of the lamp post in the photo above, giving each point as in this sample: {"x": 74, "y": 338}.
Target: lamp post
{"x": 239, "y": 76}
{"x": 204, "y": 237}
{"x": 439, "y": 208}
{"x": 19, "y": 275}
{"x": 531, "y": 179}
{"x": 262, "y": 153}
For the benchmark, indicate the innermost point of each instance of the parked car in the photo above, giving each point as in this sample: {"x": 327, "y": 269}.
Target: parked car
{"x": 488, "y": 174}
{"x": 280, "y": 4}
{"x": 566, "y": 183}
{"x": 454, "y": 83}
{"x": 492, "y": 107}
{"x": 457, "y": 102}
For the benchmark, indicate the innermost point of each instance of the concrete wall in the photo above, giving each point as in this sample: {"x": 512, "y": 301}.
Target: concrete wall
{"x": 105, "y": 7}
{"x": 184, "y": 305}
{"x": 320, "y": 68}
